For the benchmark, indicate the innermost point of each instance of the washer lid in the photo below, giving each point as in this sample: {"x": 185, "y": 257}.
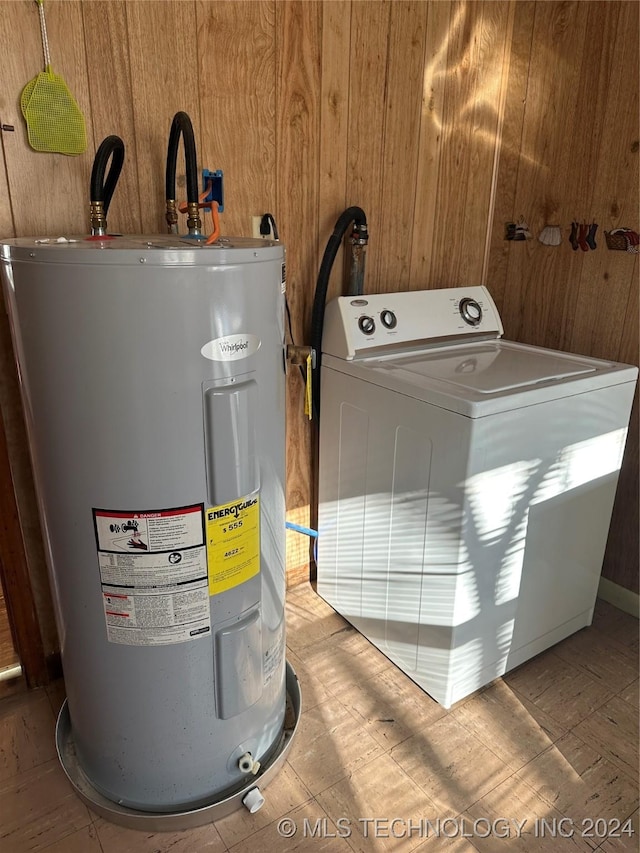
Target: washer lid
{"x": 491, "y": 368}
{"x": 478, "y": 379}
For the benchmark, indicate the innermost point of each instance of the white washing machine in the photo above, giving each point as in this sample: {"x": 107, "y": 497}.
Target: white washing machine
{"x": 466, "y": 483}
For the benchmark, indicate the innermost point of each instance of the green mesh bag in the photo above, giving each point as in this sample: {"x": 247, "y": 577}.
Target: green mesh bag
{"x": 54, "y": 120}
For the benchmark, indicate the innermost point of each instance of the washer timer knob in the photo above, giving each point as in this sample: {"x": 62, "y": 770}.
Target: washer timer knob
{"x": 389, "y": 319}
{"x": 471, "y": 311}
{"x": 367, "y": 324}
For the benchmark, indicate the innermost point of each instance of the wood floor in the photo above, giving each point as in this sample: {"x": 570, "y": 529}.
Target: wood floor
{"x": 556, "y": 741}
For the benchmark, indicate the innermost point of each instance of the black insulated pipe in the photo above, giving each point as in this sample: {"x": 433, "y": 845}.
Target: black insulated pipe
{"x": 359, "y": 219}
{"x": 181, "y": 127}
{"x": 101, "y": 190}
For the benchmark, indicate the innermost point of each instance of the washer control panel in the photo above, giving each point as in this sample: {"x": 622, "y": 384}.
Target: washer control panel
{"x": 383, "y": 323}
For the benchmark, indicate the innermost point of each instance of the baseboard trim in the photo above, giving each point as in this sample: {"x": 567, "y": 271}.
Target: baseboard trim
{"x": 623, "y": 599}
{"x": 297, "y": 575}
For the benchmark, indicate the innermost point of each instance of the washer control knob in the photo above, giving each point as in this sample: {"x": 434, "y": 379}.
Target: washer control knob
{"x": 367, "y": 324}
{"x": 471, "y": 311}
{"x": 389, "y": 319}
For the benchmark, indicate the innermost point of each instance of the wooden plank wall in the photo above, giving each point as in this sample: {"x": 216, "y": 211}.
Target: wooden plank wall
{"x": 441, "y": 119}
{"x": 569, "y": 153}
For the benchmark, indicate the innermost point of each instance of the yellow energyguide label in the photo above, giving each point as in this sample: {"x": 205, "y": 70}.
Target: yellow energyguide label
{"x": 233, "y": 543}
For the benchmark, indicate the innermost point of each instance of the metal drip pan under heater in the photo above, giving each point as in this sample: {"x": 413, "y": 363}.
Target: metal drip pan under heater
{"x": 176, "y": 821}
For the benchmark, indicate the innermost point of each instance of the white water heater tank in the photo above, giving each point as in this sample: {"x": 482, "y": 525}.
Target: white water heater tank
{"x": 153, "y": 381}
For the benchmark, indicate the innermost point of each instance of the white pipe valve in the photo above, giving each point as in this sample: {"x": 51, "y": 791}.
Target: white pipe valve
{"x": 247, "y": 764}
{"x": 253, "y": 800}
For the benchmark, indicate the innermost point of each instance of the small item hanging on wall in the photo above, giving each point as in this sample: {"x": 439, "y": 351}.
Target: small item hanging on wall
{"x": 550, "y": 235}
{"x": 573, "y": 236}
{"x": 517, "y": 231}
{"x": 623, "y": 240}
{"x": 54, "y": 120}
{"x": 634, "y": 242}
{"x": 583, "y": 230}
{"x": 590, "y": 239}
{"x": 583, "y": 236}
{"x": 522, "y": 231}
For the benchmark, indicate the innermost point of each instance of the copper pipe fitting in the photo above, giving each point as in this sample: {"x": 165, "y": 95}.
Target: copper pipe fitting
{"x": 98, "y": 218}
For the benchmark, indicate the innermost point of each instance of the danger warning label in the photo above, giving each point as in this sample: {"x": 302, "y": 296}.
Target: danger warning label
{"x": 153, "y": 572}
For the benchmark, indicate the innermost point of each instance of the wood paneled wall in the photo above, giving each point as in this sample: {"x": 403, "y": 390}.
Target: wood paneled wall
{"x": 569, "y": 152}
{"x": 441, "y": 119}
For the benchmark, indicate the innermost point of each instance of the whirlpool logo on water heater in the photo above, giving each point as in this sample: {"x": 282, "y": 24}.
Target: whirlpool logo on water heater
{"x": 231, "y": 348}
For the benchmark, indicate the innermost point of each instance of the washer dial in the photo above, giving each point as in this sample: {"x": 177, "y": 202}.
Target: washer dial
{"x": 389, "y": 319}
{"x": 367, "y": 324}
{"x": 470, "y": 311}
